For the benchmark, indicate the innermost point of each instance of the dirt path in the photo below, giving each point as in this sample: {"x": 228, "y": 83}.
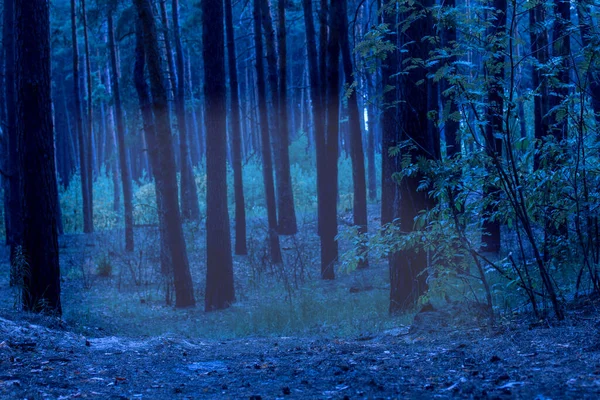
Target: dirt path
{"x": 561, "y": 362}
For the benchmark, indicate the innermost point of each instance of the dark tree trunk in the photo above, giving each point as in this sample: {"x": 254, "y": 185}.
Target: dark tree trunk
{"x": 90, "y": 111}
{"x": 372, "y": 130}
{"x": 184, "y": 289}
{"x": 172, "y": 77}
{"x": 329, "y": 230}
{"x": 354, "y": 121}
{"x": 539, "y": 49}
{"x": 143, "y": 93}
{"x": 585, "y": 27}
{"x": 408, "y": 268}
{"x": 87, "y": 197}
{"x": 236, "y": 137}
{"x": 316, "y": 96}
{"x": 190, "y": 209}
{"x": 389, "y": 120}
{"x": 219, "y": 265}
{"x": 14, "y": 227}
{"x": 35, "y": 131}
{"x": 562, "y": 50}
{"x": 267, "y": 162}
{"x": 320, "y": 140}
{"x": 120, "y": 130}
{"x": 494, "y": 130}
{"x": 450, "y": 106}
{"x": 287, "y": 224}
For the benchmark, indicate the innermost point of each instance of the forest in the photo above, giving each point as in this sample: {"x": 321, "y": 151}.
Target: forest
{"x": 299, "y": 198}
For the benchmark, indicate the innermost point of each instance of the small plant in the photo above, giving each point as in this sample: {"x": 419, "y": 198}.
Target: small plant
{"x": 104, "y": 268}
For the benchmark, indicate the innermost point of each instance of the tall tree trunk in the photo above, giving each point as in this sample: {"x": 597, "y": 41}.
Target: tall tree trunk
{"x": 90, "y": 109}
{"x": 539, "y": 49}
{"x": 120, "y": 130}
{"x": 389, "y": 120}
{"x": 184, "y": 289}
{"x": 585, "y": 27}
{"x": 449, "y": 105}
{"x": 143, "y": 93}
{"x": 219, "y": 265}
{"x": 87, "y": 196}
{"x": 15, "y": 225}
{"x": 287, "y": 224}
{"x": 35, "y": 131}
{"x": 562, "y": 50}
{"x": 356, "y": 144}
{"x": 190, "y": 209}
{"x": 172, "y": 77}
{"x": 494, "y": 129}
{"x": 267, "y": 162}
{"x": 408, "y": 268}
{"x": 320, "y": 140}
{"x": 236, "y": 136}
{"x": 329, "y": 229}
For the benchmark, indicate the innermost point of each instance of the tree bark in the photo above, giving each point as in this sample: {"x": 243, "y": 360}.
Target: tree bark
{"x": 236, "y": 136}
{"x": 356, "y": 144}
{"x": 87, "y": 196}
{"x": 267, "y": 162}
{"x": 408, "y": 268}
{"x": 329, "y": 229}
{"x": 219, "y": 265}
{"x": 14, "y": 227}
{"x": 190, "y": 209}
{"x": 35, "y": 131}
{"x": 90, "y": 109}
{"x": 184, "y": 289}
{"x": 120, "y": 130}
{"x": 285, "y": 198}
{"x": 494, "y": 130}
{"x": 143, "y": 93}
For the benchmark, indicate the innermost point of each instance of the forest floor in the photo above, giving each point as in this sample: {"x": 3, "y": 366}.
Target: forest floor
{"x": 41, "y": 358}
{"x": 289, "y": 335}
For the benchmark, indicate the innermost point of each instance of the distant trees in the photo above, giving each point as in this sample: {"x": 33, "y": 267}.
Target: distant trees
{"x": 35, "y": 133}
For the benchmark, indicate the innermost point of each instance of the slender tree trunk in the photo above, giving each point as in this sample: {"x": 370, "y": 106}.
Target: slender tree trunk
{"x": 120, "y": 130}
{"x": 172, "y": 77}
{"x": 494, "y": 129}
{"x": 451, "y": 123}
{"x": 143, "y": 93}
{"x": 15, "y": 225}
{"x": 236, "y": 136}
{"x": 561, "y": 49}
{"x": 267, "y": 162}
{"x": 219, "y": 265}
{"x": 90, "y": 110}
{"x": 356, "y": 144}
{"x": 585, "y": 27}
{"x": 539, "y": 49}
{"x": 88, "y": 220}
{"x": 320, "y": 140}
{"x": 184, "y": 289}
{"x": 35, "y": 131}
{"x": 329, "y": 230}
{"x": 190, "y": 209}
{"x": 285, "y": 192}
{"x": 389, "y": 120}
